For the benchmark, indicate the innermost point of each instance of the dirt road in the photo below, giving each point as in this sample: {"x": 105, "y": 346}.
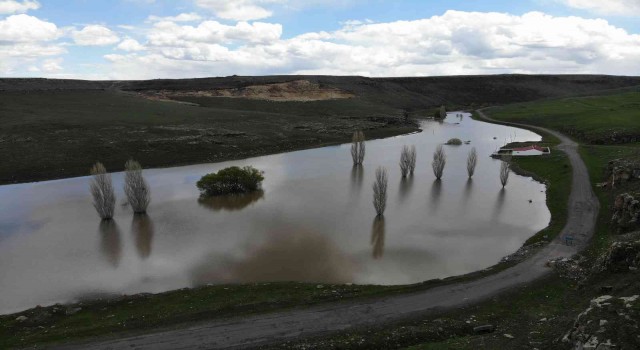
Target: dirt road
{"x": 257, "y": 330}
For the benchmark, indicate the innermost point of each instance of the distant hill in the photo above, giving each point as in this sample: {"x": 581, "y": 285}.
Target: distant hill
{"x": 409, "y": 93}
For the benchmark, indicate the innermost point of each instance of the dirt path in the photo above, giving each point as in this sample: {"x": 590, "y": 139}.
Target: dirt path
{"x": 257, "y": 330}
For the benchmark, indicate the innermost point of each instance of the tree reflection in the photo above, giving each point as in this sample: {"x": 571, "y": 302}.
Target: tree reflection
{"x": 436, "y": 192}
{"x": 143, "y": 231}
{"x": 467, "y": 189}
{"x": 357, "y": 175}
{"x": 499, "y": 206}
{"x": 377, "y": 236}
{"x": 405, "y": 188}
{"x": 110, "y": 242}
{"x": 232, "y": 202}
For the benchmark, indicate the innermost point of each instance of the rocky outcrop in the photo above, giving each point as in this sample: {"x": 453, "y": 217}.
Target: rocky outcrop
{"x": 297, "y": 90}
{"x": 622, "y": 170}
{"x": 608, "y": 323}
{"x": 621, "y": 257}
{"x": 626, "y": 211}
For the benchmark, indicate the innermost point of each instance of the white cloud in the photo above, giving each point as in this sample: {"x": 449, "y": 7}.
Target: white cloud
{"x": 183, "y": 17}
{"x": 95, "y": 35}
{"x": 607, "y": 7}
{"x": 25, "y": 28}
{"x": 13, "y": 6}
{"x": 129, "y": 44}
{"x": 170, "y": 34}
{"x": 454, "y": 43}
{"x": 52, "y": 65}
{"x": 239, "y": 10}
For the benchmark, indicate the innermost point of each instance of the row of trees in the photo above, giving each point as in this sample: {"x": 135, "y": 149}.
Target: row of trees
{"x": 135, "y": 188}
{"x": 407, "y": 166}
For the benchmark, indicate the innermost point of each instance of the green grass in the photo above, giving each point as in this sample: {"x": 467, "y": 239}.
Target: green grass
{"x": 52, "y": 134}
{"x": 555, "y": 171}
{"x": 590, "y": 119}
{"x": 135, "y": 313}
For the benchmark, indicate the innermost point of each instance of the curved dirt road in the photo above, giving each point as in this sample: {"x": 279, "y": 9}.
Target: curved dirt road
{"x": 257, "y": 330}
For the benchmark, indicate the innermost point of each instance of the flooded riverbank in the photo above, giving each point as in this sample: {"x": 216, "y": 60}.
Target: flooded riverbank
{"x": 313, "y": 221}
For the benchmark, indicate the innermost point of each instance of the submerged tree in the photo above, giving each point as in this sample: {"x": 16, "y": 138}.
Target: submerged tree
{"x": 443, "y": 112}
{"x": 104, "y": 198}
{"x": 504, "y": 172}
{"x": 439, "y": 161}
{"x": 380, "y": 191}
{"x": 358, "y": 148}
{"x": 472, "y": 161}
{"x": 136, "y": 188}
{"x": 412, "y": 159}
{"x": 405, "y": 161}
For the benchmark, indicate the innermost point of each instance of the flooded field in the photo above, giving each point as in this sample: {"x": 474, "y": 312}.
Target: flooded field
{"x": 313, "y": 221}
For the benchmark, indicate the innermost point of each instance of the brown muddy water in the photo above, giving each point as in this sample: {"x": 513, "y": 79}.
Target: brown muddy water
{"x": 314, "y": 222}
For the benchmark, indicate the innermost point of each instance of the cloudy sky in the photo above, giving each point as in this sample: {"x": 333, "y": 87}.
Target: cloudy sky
{"x": 140, "y": 39}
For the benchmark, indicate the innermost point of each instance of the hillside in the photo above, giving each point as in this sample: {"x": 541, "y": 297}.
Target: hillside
{"x": 58, "y": 128}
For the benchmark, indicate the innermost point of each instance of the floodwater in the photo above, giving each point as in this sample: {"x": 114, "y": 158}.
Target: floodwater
{"x": 314, "y": 221}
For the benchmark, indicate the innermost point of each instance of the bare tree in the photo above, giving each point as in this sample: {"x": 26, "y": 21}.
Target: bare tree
{"x": 358, "y": 148}
{"x": 412, "y": 158}
{"x": 472, "y": 161}
{"x": 505, "y": 168}
{"x": 405, "y": 161}
{"x": 408, "y": 160}
{"x": 439, "y": 161}
{"x": 104, "y": 198}
{"x": 135, "y": 187}
{"x": 443, "y": 112}
{"x": 380, "y": 191}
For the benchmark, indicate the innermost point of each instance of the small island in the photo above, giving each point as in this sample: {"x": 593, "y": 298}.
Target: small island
{"x": 454, "y": 142}
{"x": 232, "y": 180}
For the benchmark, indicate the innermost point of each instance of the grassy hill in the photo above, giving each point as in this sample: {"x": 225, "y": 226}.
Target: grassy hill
{"x": 58, "y": 128}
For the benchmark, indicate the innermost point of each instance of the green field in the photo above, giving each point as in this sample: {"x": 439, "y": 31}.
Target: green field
{"x": 606, "y": 119}
{"x": 53, "y": 134}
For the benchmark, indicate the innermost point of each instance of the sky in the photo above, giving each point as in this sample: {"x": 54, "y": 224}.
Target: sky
{"x": 148, "y": 39}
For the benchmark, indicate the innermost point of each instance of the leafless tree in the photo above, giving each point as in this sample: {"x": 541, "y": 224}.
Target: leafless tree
{"x": 104, "y": 198}
{"x": 412, "y": 158}
{"x": 439, "y": 161}
{"x": 505, "y": 168}
{"x": 358, "y": 148}
{"x": 380, "y": 191}
{"x": 136, "y": 188}
{"x": 405, "y": 161}
{"x": 472, "y": 161}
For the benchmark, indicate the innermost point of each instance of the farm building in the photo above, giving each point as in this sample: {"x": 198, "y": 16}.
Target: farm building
{"x": 533, "y": 150}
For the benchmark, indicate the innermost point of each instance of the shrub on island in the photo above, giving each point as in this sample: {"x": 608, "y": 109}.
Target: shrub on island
{"x": 232, "y": 180}
{"x": 454, "y": 142}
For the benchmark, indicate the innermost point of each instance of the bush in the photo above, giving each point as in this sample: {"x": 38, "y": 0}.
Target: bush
{"x": 230, "y": 180}
{"x": 454, "y": 142}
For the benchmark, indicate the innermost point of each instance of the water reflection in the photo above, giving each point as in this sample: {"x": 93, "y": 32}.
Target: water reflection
{"x": 377, "y": 236}
{"x": 110, "y": 242}
{"x": 231, "y": 202}
{"x": 436, "y": 192}
{"x": 287, "y": 254}
{"x": 406, "y": 183}
{"x": 335, "y": 240}
{"x": 499, "y": 206}
{"x": 357, "y": 174}
{"x": 142, "y": 229}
